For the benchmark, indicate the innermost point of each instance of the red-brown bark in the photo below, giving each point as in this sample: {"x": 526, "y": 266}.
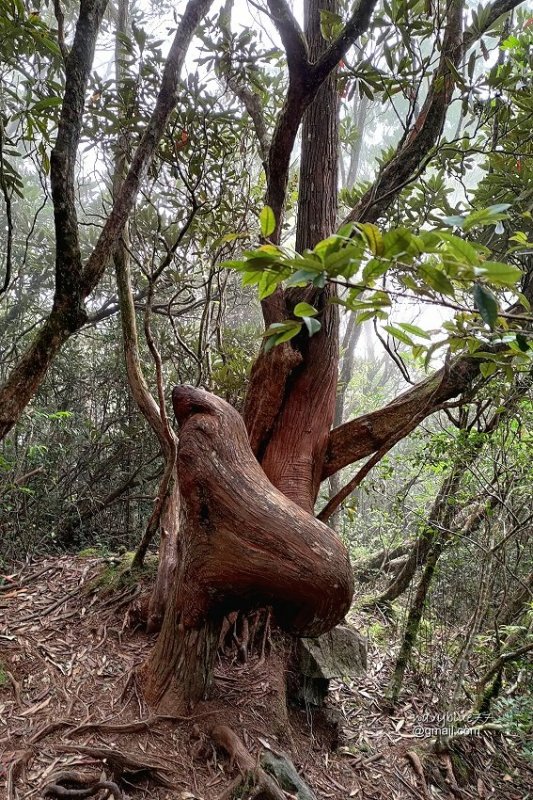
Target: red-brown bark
{"x": 363, "y": 436}
{"x": 243, "y": 545}
{"x": 290, "y": 402}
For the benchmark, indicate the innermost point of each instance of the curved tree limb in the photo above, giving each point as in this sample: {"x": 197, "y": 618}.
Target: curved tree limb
{"x": 356, "y": 25}
{"x": 414, "y": 148}
{"x": 305, "y": 79}
{"x": 361, "y": 437}
{"x": 292, "y": 37}
{"x": 425, "y": 131}
{"x": 68, "y": 287}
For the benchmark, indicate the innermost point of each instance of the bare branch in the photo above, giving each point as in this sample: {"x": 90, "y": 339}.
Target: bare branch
{"x": 166, "y": 102}
{"x": 357, "y": 24}
{"x": 359, "y": 477}
{"x": 292, "y": 37}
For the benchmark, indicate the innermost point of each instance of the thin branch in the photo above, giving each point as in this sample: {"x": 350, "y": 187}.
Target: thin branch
{"x": 60, "y": 19}
{"x": 358, "y": 478}
{"x": 357, "y": 24}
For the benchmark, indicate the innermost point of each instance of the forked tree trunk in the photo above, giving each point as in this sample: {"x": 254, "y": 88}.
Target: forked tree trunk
{"x": 242, "y": 545}
{"x": 295, "y": 385}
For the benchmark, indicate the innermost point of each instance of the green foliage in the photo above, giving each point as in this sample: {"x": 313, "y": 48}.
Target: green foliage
{"x": 375, "y": 268}
{"x": 378, "y": 632}
{"x": 267, "y": 221}
{"x": 515, "y": 715}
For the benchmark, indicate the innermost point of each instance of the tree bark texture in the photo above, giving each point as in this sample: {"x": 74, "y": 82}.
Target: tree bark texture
{"x": 243, "y": 545}
{"x": 289, "y": 428}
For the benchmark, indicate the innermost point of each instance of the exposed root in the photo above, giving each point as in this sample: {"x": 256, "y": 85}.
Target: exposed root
{"x": 253, "y": 776}
{"x": 451, "y": 780}
{"x": 16, "y": 688}
{"x": 80, "y": 786}
{"x": 16, "y": 768}
{"x": 122, "y": 762}
{"x": 418, "y": 768}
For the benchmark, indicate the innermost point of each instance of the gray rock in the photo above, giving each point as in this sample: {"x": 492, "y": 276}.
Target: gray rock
{"x": 341, "y": 653}
{"x": 284, "y": 771}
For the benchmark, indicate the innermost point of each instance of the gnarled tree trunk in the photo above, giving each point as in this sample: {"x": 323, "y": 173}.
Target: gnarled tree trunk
{"x": 243, "y": 544}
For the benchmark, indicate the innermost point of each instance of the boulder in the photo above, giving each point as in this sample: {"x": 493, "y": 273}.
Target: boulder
{"x": 341, "y": 653}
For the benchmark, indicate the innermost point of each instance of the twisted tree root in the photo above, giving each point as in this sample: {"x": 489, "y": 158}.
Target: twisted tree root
{"x": 252, "y": 775}
{"x": 89, "y": 786}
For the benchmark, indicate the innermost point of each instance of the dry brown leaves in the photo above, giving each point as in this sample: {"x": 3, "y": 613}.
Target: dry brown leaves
{"x": 68, "y": 704}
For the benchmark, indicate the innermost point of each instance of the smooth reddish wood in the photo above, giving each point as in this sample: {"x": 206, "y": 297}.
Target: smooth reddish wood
{"x": 243, "y": 545}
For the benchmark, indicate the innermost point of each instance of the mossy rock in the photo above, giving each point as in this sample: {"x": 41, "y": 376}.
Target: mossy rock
{"x": 284, "y": 771}
{"x": 92, "y": 552}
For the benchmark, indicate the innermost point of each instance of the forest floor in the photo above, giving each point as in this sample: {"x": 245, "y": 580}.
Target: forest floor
{"x": 68, "y": 704}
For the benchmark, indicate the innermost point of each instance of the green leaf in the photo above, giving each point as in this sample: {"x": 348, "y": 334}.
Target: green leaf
{"x": 459, "y": 248}
{"x": 399, "y": 334}
{"x": 488, "y": 368}
{"x": 396, "y": 242}
{"x": 414, "y": 329}
{"x": 454, "y": 221}
{"x": 304, "y": 310}
{"x": 500, "y": 274}
{"x": 280, "y": 332}
{"x": 330, "y": 24}
{"x": 304, "y": 276}
{"x": 374, "y": 269}
{"x": 437, "y": 280}
{"x": 486, "y": 304}
{"x": 486, "y": 216}
{"x": 267, "y": 221}
{"x": 312, "y": 325}
{"x": 47, "y": 102}
{"x": 372, "y": 236}
{"x": 267, "y": 284}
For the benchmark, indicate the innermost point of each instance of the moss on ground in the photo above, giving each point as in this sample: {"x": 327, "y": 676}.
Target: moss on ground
{"x": 118, "y": 573}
